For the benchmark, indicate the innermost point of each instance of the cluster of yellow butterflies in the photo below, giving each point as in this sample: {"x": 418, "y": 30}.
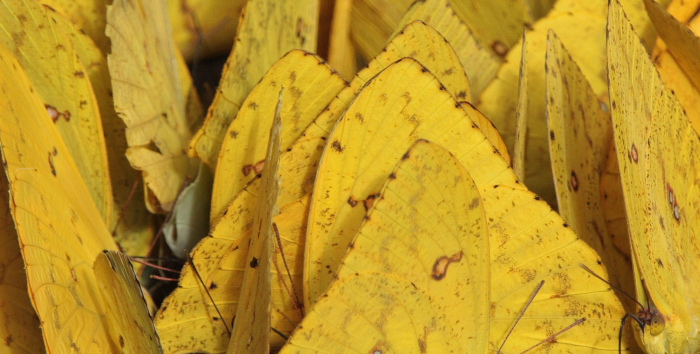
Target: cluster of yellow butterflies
{"x": 380, "y": 215}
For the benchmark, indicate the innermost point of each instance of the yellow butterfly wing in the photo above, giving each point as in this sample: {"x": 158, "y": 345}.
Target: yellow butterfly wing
{"x": 149, "y": 97}
{"x": 61, "y": 81}
{"x": 521, "y": 115}
{"x": 531, "y": 244}
{"x": 134, "y": 231}
{"x": 675, "y": 57}
{"x": 292, "y": 24}
{"x": 581, "y": 27}
{"x": 413, "y": 41}
{"x": 309, "y": 84}
{"x": 87, "y": 15}
{"x": 221, "y": 259}
{"x": 580, "y": 133}
{"x": 251, "y": 327}
{"x": 131, "y": 329}
{"x": 656, "y": 148}
{"x": 480, "y": 63}
{"x": 415, "y": 277}
{"x": 20, "y": 327}
{"x": 59, "y": 227}
{"x": 402, "y": 104}
{"x": 341, "y": 51}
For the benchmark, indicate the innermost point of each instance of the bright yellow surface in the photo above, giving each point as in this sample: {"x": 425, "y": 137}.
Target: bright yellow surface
{"x": 580, "y": 134}
{"x": 134, "y": 231}
{"x": 402, "y": 104}
{"x": 125, "y": 307}
{"x": 581, "y": 27}
{"x": 415, "y": 267}
{"x": 62, "y": 83}
{"x": 676, "y": 54}
{"x": 60, "y": 229}
{"x": 657, "y": 149}
{"x": 251, "y": 327}
{"x": 310, "y": 85}
{"x": 293, "y": 24}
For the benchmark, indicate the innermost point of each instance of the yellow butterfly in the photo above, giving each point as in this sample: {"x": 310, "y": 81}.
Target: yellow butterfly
{"x": 657, "y": 151}
{"x": 61, "y": 233}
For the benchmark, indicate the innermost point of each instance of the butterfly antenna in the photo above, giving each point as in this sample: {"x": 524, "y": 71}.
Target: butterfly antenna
{"x": 529, "y": 301}
{"x": 190, "y": 261}
{"x": 279, "y": 333}
{"x": 551, "y": 338}
{"x": 293, "y": 292}
{"x": 141, "y": 260}
{"x": 609, "y": 283}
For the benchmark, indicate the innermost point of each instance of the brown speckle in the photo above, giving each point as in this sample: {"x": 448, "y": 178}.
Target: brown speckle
{"x": 634, "y": 155}
{"x": 352, "y": 201}
{"x": 336, "y": 146}
{"x": 254, "y": 263}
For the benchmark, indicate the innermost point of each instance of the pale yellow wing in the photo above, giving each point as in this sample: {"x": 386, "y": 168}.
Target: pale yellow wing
{"x": 251, "y": 328}
{"x": 402, "y": 104}
{"x": 479, "y": 62}
{"x": 581, "y": 27}
{"x": 310, "y": 85}
{"x": 59, "y": 227}
{"x": 657, "y": 149}
{"x": 61, "y": 81}
{"x": 129, "y": 322}
{"x": 424, "y": 242}
{"x": 268, "y": 29}
{"x": 20, "y": 322}
{"x": 148, "y": 96}
{"x": 580, "y": 134}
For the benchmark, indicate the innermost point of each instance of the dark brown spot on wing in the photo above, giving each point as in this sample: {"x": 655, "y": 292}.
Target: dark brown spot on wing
{"x": 441, "y": 264}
